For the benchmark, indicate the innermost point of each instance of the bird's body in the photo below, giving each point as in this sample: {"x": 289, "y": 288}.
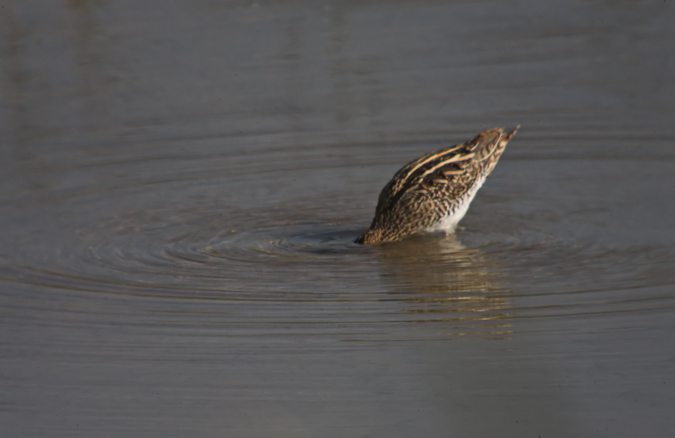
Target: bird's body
{"x": 433, "y": 193}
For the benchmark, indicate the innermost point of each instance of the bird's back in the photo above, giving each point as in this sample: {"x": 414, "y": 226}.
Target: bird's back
{"x": 434, "y": 191}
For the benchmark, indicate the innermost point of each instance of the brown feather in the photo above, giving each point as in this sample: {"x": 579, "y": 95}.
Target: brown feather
{"x": 436, "y": 188}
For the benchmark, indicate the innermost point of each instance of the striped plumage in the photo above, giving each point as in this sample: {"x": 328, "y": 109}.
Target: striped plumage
{"x": 434, "y": 192}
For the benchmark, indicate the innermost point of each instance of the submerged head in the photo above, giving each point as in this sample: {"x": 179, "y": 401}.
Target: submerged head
{"x": 395, "y": 224}
{"x": 369, "y": 237}
{"x": 376, "y": 235}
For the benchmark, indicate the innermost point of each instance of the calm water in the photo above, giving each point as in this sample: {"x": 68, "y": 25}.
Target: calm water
{"x": 181, "y": 183}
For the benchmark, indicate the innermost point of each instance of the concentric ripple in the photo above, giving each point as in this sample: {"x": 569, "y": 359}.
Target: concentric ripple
{"x": 263, "y": 243}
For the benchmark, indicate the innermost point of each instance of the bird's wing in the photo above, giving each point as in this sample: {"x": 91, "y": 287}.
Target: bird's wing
{"x": 451, "y": 171}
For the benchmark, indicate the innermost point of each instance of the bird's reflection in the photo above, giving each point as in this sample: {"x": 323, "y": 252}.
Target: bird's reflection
{"x": 442, "y": 282}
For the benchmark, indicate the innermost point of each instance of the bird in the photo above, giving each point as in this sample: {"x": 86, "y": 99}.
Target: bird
{"x": 433, "y": 192}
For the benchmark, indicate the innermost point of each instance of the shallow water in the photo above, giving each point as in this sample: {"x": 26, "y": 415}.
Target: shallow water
{"x": 182, "y": 183}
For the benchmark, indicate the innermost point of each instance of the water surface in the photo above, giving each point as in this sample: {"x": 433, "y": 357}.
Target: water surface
{"x": 182, "y": 184}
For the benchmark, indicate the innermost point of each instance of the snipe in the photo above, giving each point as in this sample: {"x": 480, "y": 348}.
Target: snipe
{"x": 433, "y": 193}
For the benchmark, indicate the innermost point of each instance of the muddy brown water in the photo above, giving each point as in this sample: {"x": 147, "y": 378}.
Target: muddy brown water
{"x": 181, "y": 183}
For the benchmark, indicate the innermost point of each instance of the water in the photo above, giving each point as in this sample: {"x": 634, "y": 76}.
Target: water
{"x": 181, "y": 184}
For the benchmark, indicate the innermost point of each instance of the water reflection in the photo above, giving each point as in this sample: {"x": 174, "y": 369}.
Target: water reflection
{"x": 14, "y": 36}
{"x": 440, "y": 281}
{"x": 83, "y": 29}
